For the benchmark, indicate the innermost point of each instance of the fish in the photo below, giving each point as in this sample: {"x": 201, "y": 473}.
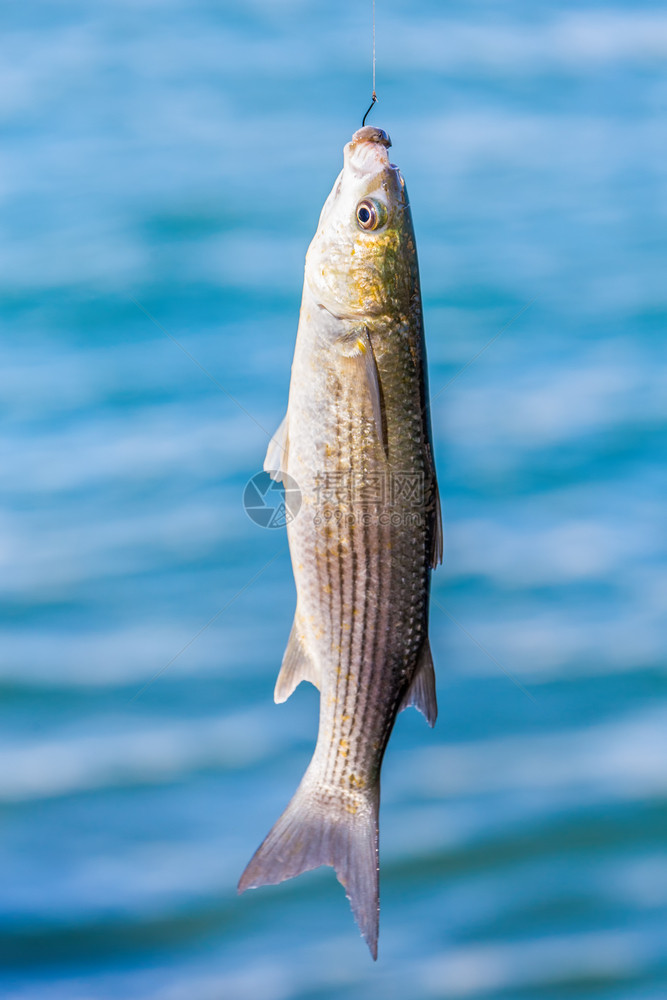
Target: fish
{"x": 357, "y": 440}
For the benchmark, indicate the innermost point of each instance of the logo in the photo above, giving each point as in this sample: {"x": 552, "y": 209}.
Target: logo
{"x": 269, "y": 503}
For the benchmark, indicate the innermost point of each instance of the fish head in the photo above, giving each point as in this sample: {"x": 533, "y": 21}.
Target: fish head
{"x": 362, "y": 261}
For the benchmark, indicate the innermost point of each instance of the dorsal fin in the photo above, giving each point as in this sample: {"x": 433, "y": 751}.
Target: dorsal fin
{"x": 437, "y": 545}
{"x": 421, "y": 692}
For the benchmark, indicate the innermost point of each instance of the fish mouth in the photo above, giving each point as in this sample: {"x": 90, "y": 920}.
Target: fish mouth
{"x": 366, "y": 152}
{"x": 370, "y": 134}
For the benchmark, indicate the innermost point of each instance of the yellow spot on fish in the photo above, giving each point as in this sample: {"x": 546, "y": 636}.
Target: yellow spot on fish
{"x": 361, "y": 346}
{"x": 351, "y": 807}
{"x": 343, "y": 747}
{"x": 356, "y": 781}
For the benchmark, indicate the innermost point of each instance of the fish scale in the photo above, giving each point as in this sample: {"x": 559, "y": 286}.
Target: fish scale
{"x": 357, "y": 417}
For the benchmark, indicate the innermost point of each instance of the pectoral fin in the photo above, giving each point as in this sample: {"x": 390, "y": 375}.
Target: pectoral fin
{"x": 374, "y": 388}
{"x": 358, "y": 345}
{"x": 421, "y": 692}
{"x": 297, "y": 666}
{"x": 275, "y": 462}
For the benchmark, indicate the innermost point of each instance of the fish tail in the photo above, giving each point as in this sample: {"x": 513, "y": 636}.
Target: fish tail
{"x": 325, "y": 826}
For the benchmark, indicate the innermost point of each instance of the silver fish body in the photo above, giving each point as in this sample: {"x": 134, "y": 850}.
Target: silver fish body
{"x": 356, "y": 439}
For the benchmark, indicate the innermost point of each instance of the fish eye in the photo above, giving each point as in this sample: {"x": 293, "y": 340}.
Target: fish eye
{"x": 371, "y": 214}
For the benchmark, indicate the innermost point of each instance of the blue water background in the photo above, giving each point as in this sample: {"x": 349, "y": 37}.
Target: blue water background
{"x": 178, "y": 154}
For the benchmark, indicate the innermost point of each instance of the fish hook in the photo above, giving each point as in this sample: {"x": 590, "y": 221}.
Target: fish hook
{"x": 370, "y": 108}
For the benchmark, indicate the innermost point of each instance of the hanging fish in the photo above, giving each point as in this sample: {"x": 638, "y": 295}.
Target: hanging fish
{"x": 357, "y": 440}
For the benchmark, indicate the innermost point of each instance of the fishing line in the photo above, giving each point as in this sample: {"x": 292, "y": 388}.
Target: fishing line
{"x": 374, "y": 97}
{"x": 373, "y": 48}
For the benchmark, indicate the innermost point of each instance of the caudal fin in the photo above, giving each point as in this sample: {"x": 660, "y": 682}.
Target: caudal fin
{"x": 321, "y": 828}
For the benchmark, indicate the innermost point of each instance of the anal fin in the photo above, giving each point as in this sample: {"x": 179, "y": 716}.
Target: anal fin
{"x": 421, "y": 692}
{"x": 297, "y": 666}
{"x": 275, "y": 462}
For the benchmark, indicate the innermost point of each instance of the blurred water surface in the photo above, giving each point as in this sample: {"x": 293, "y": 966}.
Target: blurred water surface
{"x": 178, "y": 154}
